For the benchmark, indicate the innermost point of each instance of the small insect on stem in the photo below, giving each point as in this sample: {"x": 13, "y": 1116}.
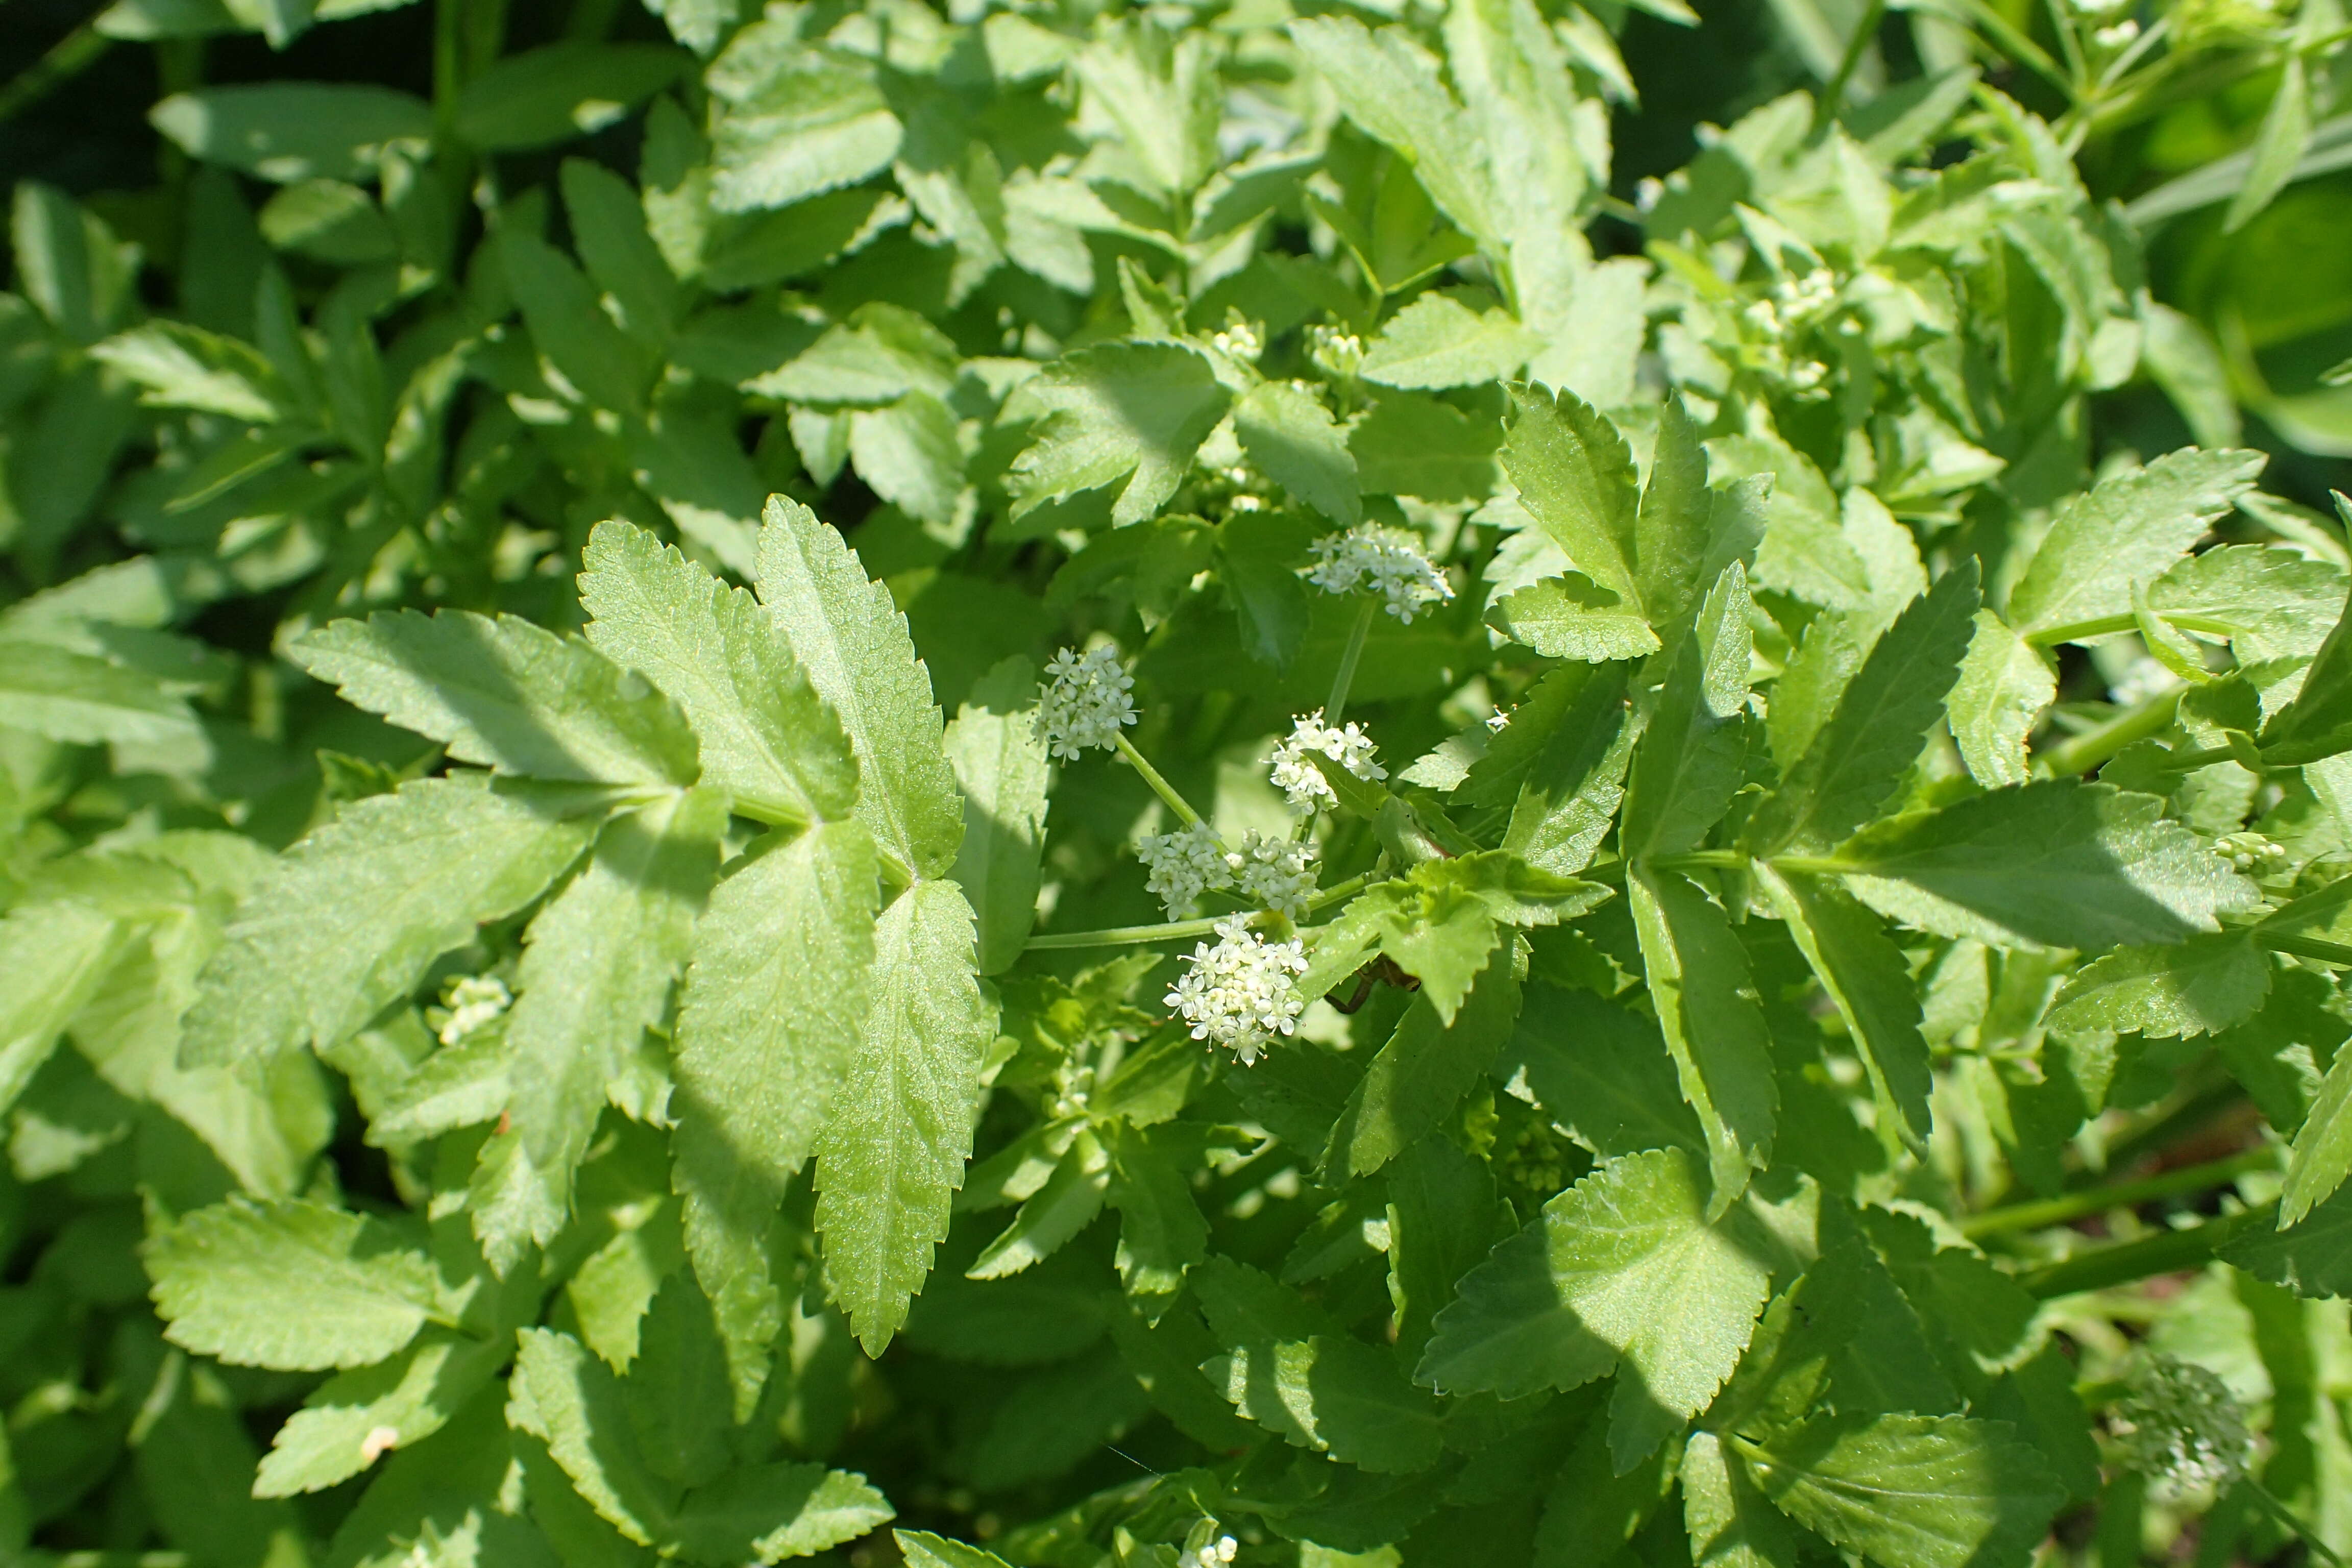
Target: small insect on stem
{"x": 1381, "y": 970}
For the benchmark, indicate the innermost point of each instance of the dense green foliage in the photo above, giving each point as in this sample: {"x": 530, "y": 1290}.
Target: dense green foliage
{"x": 611, "y": 625}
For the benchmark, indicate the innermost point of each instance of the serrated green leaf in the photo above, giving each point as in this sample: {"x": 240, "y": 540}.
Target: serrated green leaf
{"x": 2003, "y": 688}
{"x": 1570, "y": 616}
{"x": 359, "y": 1416}
{"x": 85, "y": 701}
{"x": 1698, "y": 980}
{"x": 2058, "y": 862}
{"x": 921, "y": 1549}
{"x": 1001, "y": 765}
{"x": 506, "y": 694}
{"x": 1730, "y": 1523}
{"x": 1290, "y": 1370}
{"x": 1051, "y": 1215}
{"x": 853, "y": 643}
{"x": 1442, "y": 1220}
{"x": 1938, "y": 1491}
{"x": 2202, "y": 986}
{"x": 1859, "y": 757}
{"x": 765, "y": 736}
{"x": 2322, "y": 1156}
{"x": 798, "y": 121}
{"x": 1441, "y": 920}
{"x": 1444, "y": 340}
{"x": 1575, "y": 783}
{"x": 1294, "y": 441}
{"x": 1693, "y": 752}
{"x": 1388, "y": 85}
{"x": 890, "y": 1161}
{"x": 1624, "y": 1270}
{"x": 2129, "y": 528}
{"x": 2317, "y": 723}
{"x": 1867, "y": 980}
{"x": 769, "y": 1513}
{"x": 1600, "y": 1072}
{"x": 350, "y": 920}
{"x": 56, "y": 955}
{"x": 567, "y": 1399}
{"x": 597, "y": 965}
{"x": 1576, "y": 478}
{"x": 1686, "y": 533}
{"x": 1135, "y": 412}
{"x": 588, "y": 349}
{"x": 2313, "y": 1257}
{"x": 768, "y": 1027}
{"x": 296, "y": 1286}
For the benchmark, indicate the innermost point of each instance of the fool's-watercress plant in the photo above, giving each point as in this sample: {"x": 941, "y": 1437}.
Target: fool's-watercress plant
{"x": 1410, "y": 887}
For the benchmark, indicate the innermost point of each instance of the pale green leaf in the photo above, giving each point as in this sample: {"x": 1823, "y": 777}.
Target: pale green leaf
{"x": 889, "y": 1162}
{"x": 1857, "y": 759}
{"x": 55, "y": 956}
{"x": 1693, "y": 752}
{"x": 1730, "y": 1523}
{"x": 2322, "y": 1156}
{"x": 769, "y": 1513}
{"x": 2003, "y": 688}
{"x": 2202, "y": 986}
{"x": 349, "y": 921}
{"x": 506, "y": 694}
{"x": 768, "y": 1027}
{"x": 359, "y": 1416}
{"x": 1446, "y": 340}
{"x": 296, "y": 1286}
{"x": 2129, "y": 528}
{"x": 1698, "y": 980}
{"x": 1576, "y": 478}
{"x": 1440, "y": 920}
{"x": 1624, "y": 1270}
{"x": 853, "y": 643}
{"x": 1132, "y": 412}
{"x": 83, "y": 700}
{"x": 597, "y": 965}
{"x": 570, "y": 1401}
{"x": 2278, "y": 146}
{"x": 1571, "y": 616}
{"x": 798, "y": 121}
{"x": 766, "y": 737}
{"x": 176, "y": 365}
{"x": 1294, "y": 441}
{"x": 1869, "y": 983}
{"x": 1386, "y": 84}
{"x": 2057, "y": 862}
{"x": 921, "y": 1549}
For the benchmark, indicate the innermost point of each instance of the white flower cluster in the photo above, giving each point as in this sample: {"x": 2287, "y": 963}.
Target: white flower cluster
{"x": 1239, "y": 340}
{"x": 1275, "y": 874}
{"x": 1238, "y": 993}
{"x": 474, "y": 1001}
{"x": 1799, "y": 297}
{"x": 1301, "y": 780}
{"x": 1086, "y": 702}
{"x": 1337, "y": 353}
{"x": 2181, "y": 1428}
{"x": 1389, "y": 561}
{"x": 1183, "y": 865}
{"x": 1215, "y": 1553}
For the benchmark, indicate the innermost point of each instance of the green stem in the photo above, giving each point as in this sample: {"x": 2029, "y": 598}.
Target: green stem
{"x": 2088, "y": 750}
{"x": 2166, "y": 1252}
{"x": 449, "y": 66}
{"x": 67, "y": 59}
{"x": 1160, "y": 787}
{"x": 1349, "y": 656}
{"x": 2122, "y": 1195}
{"x": 2281, "y": 1514}
{"x": 1703, "y": 860}
{"x": 1176, "y": 930}
{"x": 1825, "y": 108}
{"x": 2304, "y": 947}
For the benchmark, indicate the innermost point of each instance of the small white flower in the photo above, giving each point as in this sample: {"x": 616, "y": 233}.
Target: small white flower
{"x": 1213, "y": 1554}
{"x": 1301, "y": 780}
{"x": 2249, "y": 851}
{"x": 1275, "y": 874}
{"x": 1337, "y": 353}
{"x": 1086, "y": 702}
{"x": 1387, "y": 561}
{"x": 473, "y": 1002}
{"x": 1799, "y": 297}
{"x": 2116, "y": 37}
{"x": 1497, "y": 722}
{"x": 1238, "y": 993}
{"x": 2181, "y": 1428}
{"x": 1239, "y": 340}
{"x": 1647, "y": 192}
{"x": 1184, "y": 864}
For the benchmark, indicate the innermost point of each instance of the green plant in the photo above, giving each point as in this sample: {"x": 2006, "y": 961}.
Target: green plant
{"x": 1116, "y": 789}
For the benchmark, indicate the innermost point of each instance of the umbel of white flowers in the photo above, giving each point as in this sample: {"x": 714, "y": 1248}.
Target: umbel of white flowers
{"x": 1301, "y": 781}
{"x": 1086, "y": 702}
{"x": 1238, "y": 993}
{"x": 1275, "y": 874}
{"x": 2181, "y": 1428}
{"x": 1389, "y": 561}
{"x": 1217, "y": 1554}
